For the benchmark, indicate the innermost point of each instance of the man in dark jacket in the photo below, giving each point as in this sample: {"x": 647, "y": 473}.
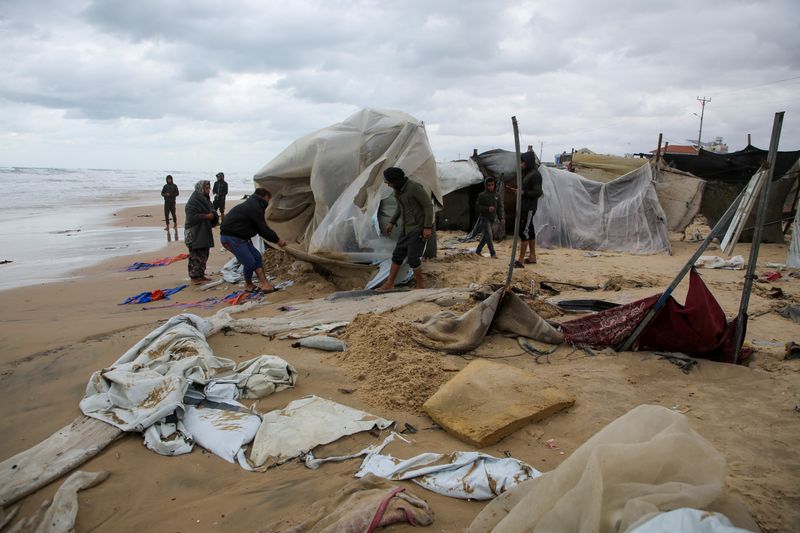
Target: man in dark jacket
{"x": 200, "y": 218}
{"x": 220, "y": 192}
{"x": 244, "y": 222}
{"x": 487, "y": 205}
{"x": 531, "y": 192}
{"x": 414, "y": 204}
{"x": 170, "y": 193}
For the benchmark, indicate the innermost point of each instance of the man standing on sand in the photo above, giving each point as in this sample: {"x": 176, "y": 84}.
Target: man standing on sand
{"x": 170, "y": 193}
{"x": 531, "y": 192}
{"x": 220, "y": 192}
{"x": 415, "y": 206}
{"x": 487, "y": 205}
{"x": 244, "y": 222}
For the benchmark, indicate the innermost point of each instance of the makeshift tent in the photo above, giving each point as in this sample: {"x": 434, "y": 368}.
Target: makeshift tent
{"x": 327, "y": 187}
{"x": 736, "y": 167}
{"x": 621, "y": 215}
{"x": 602, "y": 167}
{"x": 461, "y": 183}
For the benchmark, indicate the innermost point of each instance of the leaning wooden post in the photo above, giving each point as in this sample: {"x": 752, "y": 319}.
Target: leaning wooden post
{"x": 658, "y": 152}
{"x": 519, "y": 204}
{"x": 648, "y": 317}
{"x": 741, "y": 318}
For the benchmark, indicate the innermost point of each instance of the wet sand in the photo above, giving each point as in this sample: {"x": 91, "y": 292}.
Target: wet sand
{"x": 54, "y": 336}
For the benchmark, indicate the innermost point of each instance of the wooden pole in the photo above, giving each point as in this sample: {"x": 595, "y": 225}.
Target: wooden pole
{"x": 741, "y": 318}
{"x": 519, "y": 204}
{"x": 658, "y": 152}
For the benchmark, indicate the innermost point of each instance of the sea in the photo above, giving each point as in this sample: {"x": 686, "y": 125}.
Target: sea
{"x": 54, "y": 221}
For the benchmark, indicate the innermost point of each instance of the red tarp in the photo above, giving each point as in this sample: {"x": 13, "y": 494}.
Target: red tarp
{"x": 699, "y": 328}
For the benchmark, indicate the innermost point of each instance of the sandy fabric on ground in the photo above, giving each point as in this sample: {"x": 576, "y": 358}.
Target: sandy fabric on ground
{"x": 54, "y": 336}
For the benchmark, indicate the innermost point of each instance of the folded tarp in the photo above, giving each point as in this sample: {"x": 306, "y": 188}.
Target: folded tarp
{"x": 698, "y": 328}
{"x": 644, "y": 463}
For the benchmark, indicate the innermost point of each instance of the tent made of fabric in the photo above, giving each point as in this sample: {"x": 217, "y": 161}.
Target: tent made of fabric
{"x": 602, "y": 167}
{"x": 736, "y": 167}
{"x": 461, "y": 183}
{"x": 574, "y": 212}
{"x": 327, "y": 187}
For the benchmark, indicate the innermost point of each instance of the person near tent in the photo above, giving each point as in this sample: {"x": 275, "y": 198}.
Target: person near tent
{"x": 531, "y": 192}
{"x": 244, "y": 222}
{"x": 487, "y": 206}
{"x": 170, "y": 193}
{"x": 220, "y": 192}
{"x": 200, "y": 218}
{"x": 415, "y": 207}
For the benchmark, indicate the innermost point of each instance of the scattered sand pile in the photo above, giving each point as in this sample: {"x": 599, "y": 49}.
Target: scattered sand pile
{"x": 393, "y": 371}
{"x": 697, "y": 230}
{"x": 617, "y": 283}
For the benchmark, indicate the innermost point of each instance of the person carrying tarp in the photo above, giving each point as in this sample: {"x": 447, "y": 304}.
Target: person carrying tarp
{"x": 244, "y": 222}
{"x": 531, "y": 192}
{"x": 487, "y": 205}
{"x": 414, "y": 205}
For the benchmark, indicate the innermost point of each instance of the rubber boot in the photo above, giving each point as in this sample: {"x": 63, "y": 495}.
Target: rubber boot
{"x": 419, "y": 280}
{"x": 389, "y": 284}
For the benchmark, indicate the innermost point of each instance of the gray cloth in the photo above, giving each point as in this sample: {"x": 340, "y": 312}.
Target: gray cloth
{"x": 459, "y": 334}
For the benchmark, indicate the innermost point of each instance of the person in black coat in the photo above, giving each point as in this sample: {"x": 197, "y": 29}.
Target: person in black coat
{"x": 200, "y": 218}
{"x": 531, "y": 192}
{"x": 220, "y": 193}
{"x": 244, "y": 222}
{"x": 170, "y": 194}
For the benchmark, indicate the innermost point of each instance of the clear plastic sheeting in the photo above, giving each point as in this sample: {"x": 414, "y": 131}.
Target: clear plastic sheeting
{"x": 454, "y": 175}
{"x": 327, "y": 187}
{"x": 793, "y": 260}
{"x": 622, "y": 215}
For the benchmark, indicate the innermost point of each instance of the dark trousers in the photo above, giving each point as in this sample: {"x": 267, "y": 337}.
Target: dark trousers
{"x": 198, "y": 257}
{"x": 245, "y": 253}
{"x": 170, "y": 209}
{"x": 410, "y": 245}
{"x": 486, "y": 236}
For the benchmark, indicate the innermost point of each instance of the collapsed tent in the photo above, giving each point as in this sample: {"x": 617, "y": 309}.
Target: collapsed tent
{"x": 461, "y": 183}
{"x": 574, "y": 212}
{"x": 328, "y": 190}
{"x": 699, "y": 328}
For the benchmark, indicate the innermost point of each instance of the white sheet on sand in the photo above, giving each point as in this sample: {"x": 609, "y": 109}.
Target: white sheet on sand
{"x": 155, "y": 378}
{"x": 464, "y": 475}
{"x": 713, "y": 261}
{"x": 305, "y": 424}
{"x": 688, "y": 520}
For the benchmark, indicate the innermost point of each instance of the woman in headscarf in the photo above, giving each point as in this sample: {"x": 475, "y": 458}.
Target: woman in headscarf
{"x": 200, "y": 218}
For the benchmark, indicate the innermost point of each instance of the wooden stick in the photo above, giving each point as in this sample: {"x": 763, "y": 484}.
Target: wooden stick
{"x": 519, "y": 205}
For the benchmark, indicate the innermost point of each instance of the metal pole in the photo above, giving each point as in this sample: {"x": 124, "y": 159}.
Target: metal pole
{"x": 519, "y": 204}
{"x": 723, "y": 222}
{"x": 741, "y": 318}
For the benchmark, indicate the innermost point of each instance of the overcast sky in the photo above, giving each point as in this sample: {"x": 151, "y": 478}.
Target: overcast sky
{"x": 196, "y": 85}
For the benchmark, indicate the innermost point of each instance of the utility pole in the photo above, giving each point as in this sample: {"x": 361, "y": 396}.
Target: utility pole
{"x": 541, "y": 148}
{"x": 702, "y": 101}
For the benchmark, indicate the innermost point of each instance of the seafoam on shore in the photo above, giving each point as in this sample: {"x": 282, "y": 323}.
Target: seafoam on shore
{"x": 55, "y": 221}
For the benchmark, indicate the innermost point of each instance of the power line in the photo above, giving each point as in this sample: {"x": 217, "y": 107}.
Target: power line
{"x": 774, "y": 82}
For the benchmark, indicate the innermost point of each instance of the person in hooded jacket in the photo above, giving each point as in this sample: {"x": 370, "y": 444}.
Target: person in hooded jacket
{"x": 220, "y": 193}
{"x": 170, "y": 194}
{"x": 531, "y": 192}
{"x": 200, "y": 218}
{"x": 487, "y": 205}
{"x": 415, "y": 206}
{"x": 242, "y": 223}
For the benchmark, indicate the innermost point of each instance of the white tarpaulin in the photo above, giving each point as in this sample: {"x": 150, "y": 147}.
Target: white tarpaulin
{"x": 327, "y": 186}
{"x": 305, "y": 424}
{"x": 173, "y": 366}
{"x": 794, "y": 247}
{"x": 464, "y": 475}
{"x": 454, "y": 175}
{"x": 622, "y": 215}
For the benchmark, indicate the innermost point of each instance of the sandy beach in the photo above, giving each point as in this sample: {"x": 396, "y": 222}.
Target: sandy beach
{"x": 53, "y": 336}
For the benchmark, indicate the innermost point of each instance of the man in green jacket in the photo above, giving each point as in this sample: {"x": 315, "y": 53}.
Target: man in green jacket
{"x": 414, "y": 205}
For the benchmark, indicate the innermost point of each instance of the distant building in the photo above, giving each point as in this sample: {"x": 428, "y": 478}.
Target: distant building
{"x": 676, "y": 149}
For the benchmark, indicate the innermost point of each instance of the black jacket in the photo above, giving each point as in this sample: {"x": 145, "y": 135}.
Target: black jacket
{"x": 220, "y": 188}
{"x": 246, "y": 220}
{"x": 531, "y": 190}
{"x": 486, "y": 200}
{"x": 169, "y": 191}
{"x": 198, "y": 229}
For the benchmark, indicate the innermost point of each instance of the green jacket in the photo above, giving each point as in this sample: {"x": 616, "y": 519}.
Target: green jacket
{"x": 414, "y": 204}
{"x": 486, "y": 200}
